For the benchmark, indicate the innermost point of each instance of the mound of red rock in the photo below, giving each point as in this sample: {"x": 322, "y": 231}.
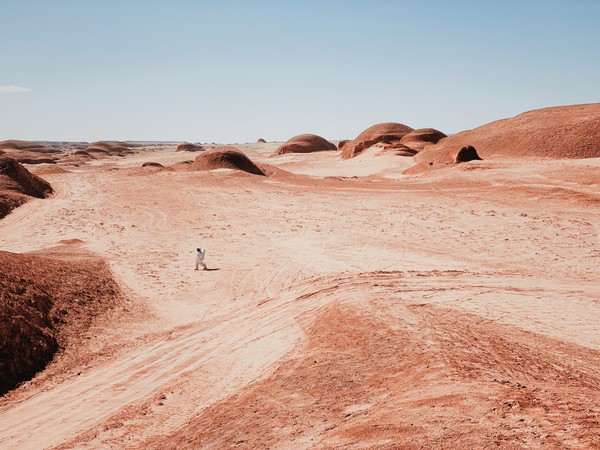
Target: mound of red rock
{"x": 110, "y": 148}
{"x": 27, "y": 152}
{"x": 40, "y": 313}
{"x": 225, "y": 158}
{"x": 433, "y": 158}
{"x": 422, "y": 137}
{"x": 305, "y": 143}
{"x": 557, "y": 132}
{"x": 27, "y": 146}
{"x": 17, "y": 185}
{"x": 188, "y": 147}
{"x": 386, "y": 133}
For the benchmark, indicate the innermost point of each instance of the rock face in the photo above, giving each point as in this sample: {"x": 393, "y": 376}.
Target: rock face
{"x": 23, "y": 180}
{"x": 17, "y": 185}
{"x": 188, "y": 147}
{"x": 40, "y": 314}
{"x": 434, "y": 158}
{"x": 465, "y": 154}
{"x": 388, "y": 132}
{"x": 557, "y": 132}
{"x": 305, "y": 143}
{"x": 225, "y": 158}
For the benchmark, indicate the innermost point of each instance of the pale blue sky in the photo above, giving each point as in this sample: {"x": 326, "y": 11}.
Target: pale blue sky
{"x": 234, "y": 71}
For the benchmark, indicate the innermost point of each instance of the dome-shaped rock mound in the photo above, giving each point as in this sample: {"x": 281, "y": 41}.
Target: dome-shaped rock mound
{"x": 110, "y": 148}
{"x": 225, "y": 158}
{"x": 423, "y": 136}
{"x": 152, "y": 164}
{"x": 305, "y": 143}
{"x": 387, "y": 132}
{"x": 557, "y": 132}
{"x": 188, "y": 147}
{"x": 261, "y": 141}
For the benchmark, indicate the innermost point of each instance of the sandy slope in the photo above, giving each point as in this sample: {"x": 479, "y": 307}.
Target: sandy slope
{"x": 458, "y": 310}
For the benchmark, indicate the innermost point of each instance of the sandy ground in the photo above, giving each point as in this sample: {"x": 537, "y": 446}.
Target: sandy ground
{"x": 348, "y": 306}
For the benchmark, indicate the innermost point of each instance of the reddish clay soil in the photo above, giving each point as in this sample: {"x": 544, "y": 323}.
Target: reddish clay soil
{"x": 347, "y": 305}
{"x": 305, "y": 143}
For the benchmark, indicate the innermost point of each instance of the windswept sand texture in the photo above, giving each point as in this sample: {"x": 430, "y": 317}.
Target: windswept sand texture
{"x": 347, "y": 305}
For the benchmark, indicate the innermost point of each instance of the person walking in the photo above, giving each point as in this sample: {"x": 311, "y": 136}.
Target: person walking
{"x": 200, "y": 254}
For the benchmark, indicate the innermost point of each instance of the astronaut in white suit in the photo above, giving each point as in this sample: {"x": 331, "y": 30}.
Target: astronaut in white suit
{"x": 200, "y": 253}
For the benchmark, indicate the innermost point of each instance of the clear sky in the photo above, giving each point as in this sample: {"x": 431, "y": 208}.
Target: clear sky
{"x": 235, "y": 71}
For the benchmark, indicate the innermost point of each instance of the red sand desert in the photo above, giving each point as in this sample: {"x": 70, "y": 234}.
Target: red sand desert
{"x": 361, "y": 299}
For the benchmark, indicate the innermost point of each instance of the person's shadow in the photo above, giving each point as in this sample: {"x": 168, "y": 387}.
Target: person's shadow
{"x": 211, "y": 270}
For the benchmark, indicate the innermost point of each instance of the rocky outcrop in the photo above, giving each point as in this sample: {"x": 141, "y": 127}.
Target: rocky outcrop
{"x": 305, "y": 143}
{"x": 387, "y": 133}
{"x": 188, "y": 147}
{"x": 17, "y": 185}
{"x": 225, "y": 158}
{"x": 557, "y": 132}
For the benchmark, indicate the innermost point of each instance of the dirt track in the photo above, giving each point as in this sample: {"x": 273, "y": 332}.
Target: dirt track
{"x": 456, "y": 311}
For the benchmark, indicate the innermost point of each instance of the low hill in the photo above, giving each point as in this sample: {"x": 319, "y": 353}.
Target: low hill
{"x": 28, "y": 152}
{"x": 556, "y": 132}
{"x": 110, "y": 148}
